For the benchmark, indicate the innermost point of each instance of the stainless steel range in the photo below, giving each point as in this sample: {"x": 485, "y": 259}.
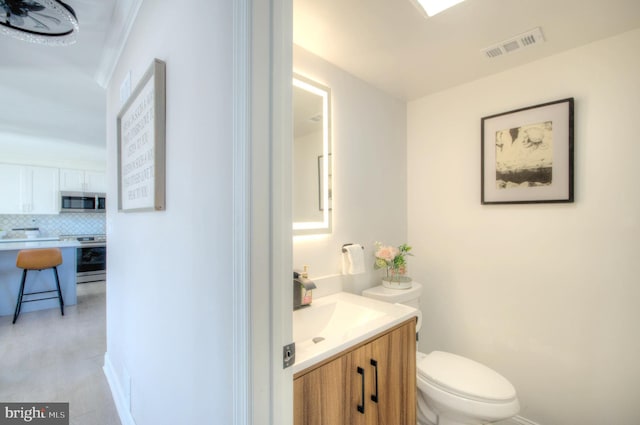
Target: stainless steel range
{"x": 91, "y": 262}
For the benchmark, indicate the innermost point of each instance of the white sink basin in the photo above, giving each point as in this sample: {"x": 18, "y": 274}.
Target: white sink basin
{"x": 336, "y": 322}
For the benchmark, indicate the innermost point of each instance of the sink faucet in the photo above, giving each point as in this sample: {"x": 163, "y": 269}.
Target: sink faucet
{"x": 302, "y": 287}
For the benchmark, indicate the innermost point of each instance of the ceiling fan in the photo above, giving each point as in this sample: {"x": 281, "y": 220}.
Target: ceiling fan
{"x": 49, "y": 22}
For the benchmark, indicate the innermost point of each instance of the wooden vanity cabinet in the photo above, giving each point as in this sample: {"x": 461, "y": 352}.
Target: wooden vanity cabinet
{"x": 373, "y": 383}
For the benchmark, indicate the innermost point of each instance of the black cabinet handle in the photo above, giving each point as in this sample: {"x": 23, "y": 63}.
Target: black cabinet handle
{"x": 374, "y": 397}
{"x": 361, "y": 406}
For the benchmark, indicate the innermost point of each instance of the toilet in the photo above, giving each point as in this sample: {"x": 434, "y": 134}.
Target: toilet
{"x": 453, "y": 390}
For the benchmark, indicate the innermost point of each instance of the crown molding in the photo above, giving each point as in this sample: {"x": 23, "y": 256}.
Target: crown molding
{"x": 124, "y": 15}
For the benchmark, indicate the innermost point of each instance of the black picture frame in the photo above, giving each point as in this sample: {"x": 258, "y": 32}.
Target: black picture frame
{"x": 527, "y": 155}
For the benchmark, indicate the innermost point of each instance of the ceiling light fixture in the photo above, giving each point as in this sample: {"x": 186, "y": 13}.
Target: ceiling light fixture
{"x": 49, "y": 22}
{"x": 433, "y": 7}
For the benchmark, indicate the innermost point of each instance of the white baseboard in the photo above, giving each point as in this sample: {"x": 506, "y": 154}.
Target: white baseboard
{"x": 517, "y": 420}
{"x": 117, "y": 393}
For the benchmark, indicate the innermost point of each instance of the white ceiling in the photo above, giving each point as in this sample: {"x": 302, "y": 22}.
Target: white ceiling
{"x": 391, "y": 45}
{"x": 55, "y": 92}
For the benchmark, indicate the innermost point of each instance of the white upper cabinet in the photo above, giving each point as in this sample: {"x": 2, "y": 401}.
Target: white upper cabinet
{"x": 96, "y": 181}
{"x": 10, "y": 189}
{"x": 28, "y": 190}
{"x": 82, "y": 181}
{"x": 42, "y": 185}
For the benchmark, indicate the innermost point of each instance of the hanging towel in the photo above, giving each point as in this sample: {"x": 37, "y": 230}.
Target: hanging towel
{"x": 353, "y": 259}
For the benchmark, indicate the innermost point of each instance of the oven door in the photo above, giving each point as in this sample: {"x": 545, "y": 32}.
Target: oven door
{"x": 91, "y": 263}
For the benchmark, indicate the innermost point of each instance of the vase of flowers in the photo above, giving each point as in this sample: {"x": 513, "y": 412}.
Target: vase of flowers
{"x": 394, "y": 261}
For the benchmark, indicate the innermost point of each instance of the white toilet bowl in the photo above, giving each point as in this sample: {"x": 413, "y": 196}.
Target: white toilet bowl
{"x": 454, "y": 390}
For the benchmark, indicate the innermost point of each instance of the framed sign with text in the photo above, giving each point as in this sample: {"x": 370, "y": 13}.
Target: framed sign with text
{"x": 141, "y": 144}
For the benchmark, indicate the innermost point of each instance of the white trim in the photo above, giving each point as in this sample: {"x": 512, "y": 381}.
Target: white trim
{"x": 116, "y": 391}
{"x": 261, "y": 362}
{"x": 281, "y": 197}
{"x": 241, "y": 212}
{"x": 517, "y": 420}
{"x": 120, "y": 27}
{"x": 271, "y": 233}
{"x": 523, "y": 421}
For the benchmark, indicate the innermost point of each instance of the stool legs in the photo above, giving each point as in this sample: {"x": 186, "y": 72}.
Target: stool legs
{"x": 55, "y": 272}
{"x": 22, "y": 293}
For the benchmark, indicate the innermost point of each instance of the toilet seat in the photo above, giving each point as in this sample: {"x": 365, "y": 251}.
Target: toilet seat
{"x": 464, "y": 377}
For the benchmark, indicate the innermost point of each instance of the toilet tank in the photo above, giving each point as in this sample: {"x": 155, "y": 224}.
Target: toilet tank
{"x": 410, "y": 297}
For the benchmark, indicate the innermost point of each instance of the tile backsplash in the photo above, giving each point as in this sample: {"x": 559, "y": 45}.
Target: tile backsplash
{"x": 54, "y": 224}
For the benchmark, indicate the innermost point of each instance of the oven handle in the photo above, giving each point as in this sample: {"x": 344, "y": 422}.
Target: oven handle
{"x": 93, "y": 245}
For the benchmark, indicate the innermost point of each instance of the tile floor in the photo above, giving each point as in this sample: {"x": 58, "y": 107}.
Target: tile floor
{"x": 46, "y": 357}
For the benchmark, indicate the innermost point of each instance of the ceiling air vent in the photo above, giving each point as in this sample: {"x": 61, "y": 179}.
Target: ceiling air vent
{"x": 513, "y": 44}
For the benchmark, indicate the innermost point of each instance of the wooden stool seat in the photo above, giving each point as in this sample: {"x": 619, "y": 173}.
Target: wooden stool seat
{"x": 38, "y": 259}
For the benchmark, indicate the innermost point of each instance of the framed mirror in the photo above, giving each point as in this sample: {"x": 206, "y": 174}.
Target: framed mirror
{"x": 312, "y": 170}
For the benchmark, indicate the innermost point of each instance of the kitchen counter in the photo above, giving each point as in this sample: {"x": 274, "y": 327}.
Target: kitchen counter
{"x": 10, "y": 275}
{"x": 18, "y": 244}
{"x": 11, "y": 240}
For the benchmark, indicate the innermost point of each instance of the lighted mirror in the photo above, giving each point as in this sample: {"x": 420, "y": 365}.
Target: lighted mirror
{"x": 312, "y": 182}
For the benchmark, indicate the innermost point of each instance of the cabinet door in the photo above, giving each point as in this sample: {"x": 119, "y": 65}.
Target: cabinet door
{"x": 95, "y": 181}
{"x": 43, "y": 189}
{"x": 361, "y": 409}
{"x": 394, "y": 355}
{"x": 321, "y": 396}
{"x": 72, "y": 180}
{"x": 374, "y": 384}
{"x": 10, "y": 189}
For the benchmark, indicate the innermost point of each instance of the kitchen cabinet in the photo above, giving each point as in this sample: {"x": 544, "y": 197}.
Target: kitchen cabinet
{"x": 28, "y": 189}
{"x": 10, "y": 189}
{"x": 11, "y": 276}
{"x": 371, "y": 384}
{"x": 82, "y": 181}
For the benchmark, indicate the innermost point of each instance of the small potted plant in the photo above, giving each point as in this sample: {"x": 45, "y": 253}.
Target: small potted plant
{"x": 394, "y": 261}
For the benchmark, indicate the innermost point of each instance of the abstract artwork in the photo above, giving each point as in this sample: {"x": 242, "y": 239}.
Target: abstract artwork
{"x": 527, "y": 155}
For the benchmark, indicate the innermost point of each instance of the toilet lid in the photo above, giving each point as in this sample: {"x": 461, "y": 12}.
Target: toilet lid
{"x": 464, "y": 377}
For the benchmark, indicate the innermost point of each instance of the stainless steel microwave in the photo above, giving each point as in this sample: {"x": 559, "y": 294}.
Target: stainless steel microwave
{"x": 82, "y": 202}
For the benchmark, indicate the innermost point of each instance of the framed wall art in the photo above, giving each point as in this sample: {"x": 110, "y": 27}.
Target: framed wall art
{"x": 527, "y": 155}
{"x": 141, "y": 144}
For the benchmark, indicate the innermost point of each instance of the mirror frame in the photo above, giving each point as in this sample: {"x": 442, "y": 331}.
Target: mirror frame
{"x": 324, "y": 226}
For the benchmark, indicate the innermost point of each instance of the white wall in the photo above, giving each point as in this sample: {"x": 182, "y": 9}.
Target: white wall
{"x": 25, "y": 149}
{"x": 547, "y": 295}
{"x": 169, "y": 298}
{"x": 369, "y": 187}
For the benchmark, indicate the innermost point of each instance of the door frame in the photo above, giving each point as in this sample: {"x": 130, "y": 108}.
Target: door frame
{"x": 263, "y": 140}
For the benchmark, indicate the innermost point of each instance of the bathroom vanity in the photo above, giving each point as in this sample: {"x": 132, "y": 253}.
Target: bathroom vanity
{"x": 372, "y": 382}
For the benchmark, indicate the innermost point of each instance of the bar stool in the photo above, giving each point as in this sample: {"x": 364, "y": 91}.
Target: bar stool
{"x": 38, "y": 259}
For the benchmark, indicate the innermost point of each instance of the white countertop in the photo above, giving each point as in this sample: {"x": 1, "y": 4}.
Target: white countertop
{"x": 18, "y": 244}
{"x": 48, "y": 238}
{"x": 342, "y": 320}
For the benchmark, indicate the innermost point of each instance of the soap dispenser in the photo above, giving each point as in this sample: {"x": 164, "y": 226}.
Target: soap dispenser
{"x": 302, "y": 289}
